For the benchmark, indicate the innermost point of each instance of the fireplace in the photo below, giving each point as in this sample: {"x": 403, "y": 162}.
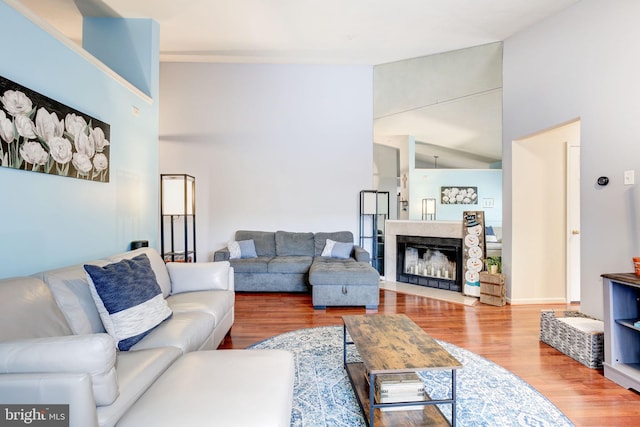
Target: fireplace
{"x": 435, "y": 262}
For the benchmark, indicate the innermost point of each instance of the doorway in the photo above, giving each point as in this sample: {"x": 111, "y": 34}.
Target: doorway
{"x": 545, "y": 216}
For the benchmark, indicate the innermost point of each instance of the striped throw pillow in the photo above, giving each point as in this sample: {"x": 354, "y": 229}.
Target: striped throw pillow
{"x": 128, "y": 298}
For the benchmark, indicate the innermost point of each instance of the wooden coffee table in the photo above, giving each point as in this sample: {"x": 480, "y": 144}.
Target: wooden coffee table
{"x": 395, "y": 344}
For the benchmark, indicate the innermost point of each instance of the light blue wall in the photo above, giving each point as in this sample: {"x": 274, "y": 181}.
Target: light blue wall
{"x": 426, "y": 183}
{"x": 135, "y": 57}
{"x": 48, "y": 221}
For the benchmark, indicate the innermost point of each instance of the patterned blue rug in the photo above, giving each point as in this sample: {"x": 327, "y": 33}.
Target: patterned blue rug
{"x": 487, "y": 394}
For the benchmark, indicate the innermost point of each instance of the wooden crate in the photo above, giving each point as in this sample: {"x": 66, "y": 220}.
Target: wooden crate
{"x": 492, "y": 289}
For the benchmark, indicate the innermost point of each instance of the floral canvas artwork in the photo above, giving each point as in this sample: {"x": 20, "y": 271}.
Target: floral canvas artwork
{"x": 459, "y": 195}
{"x": 42, "y": 135}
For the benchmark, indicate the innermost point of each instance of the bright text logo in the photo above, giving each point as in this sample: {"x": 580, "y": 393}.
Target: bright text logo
{"x": 34, "y": 415}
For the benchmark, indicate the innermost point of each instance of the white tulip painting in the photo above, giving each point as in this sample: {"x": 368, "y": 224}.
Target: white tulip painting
{"x": 42, "y": 135}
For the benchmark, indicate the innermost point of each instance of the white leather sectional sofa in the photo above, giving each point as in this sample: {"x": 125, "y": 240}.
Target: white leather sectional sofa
{"x": 54, "y": 349}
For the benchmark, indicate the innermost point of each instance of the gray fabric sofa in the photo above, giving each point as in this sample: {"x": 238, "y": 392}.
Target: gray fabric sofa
{"x": 292, "y": 262}
{"x": 54, "y": 349}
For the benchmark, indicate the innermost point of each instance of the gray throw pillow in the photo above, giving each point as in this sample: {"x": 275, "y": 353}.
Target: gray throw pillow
{"x": 342, "y": 250}
{"x": 242, "y": 249}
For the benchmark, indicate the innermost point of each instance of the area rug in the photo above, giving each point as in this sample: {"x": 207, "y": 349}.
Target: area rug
{"x": 487, "y": 394}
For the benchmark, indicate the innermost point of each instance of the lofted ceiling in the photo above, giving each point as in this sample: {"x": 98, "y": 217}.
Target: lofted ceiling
{"x": 308, "y": 31}
{"x": 349, "y": 32}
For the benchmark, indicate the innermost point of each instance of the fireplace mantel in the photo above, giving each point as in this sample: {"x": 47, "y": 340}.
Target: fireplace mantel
{"x": 395, "y": 228}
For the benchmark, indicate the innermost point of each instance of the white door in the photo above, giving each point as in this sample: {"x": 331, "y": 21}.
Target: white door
{"x": 573, "y": 222}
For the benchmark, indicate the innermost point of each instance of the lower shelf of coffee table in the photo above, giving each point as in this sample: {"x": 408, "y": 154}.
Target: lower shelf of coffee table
{"x": 430, "y": 415}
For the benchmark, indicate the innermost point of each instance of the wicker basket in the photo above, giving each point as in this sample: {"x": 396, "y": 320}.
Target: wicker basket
{"x": 586, "y": 345}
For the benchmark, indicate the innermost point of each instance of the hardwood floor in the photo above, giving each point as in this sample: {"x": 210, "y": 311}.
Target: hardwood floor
{"x": 508, "y": 336}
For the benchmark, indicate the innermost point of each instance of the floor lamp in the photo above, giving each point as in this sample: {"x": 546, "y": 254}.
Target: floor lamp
{"x": 428, "y": 209}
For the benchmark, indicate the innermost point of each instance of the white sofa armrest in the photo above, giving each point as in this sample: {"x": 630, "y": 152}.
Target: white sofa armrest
{"x": 93, "y": 354}
{"x": 50, "y": 389}
{"x": 200, "y": 276}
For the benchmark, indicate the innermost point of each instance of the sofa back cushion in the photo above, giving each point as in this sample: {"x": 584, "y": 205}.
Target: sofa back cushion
{"x": 200, "y": 276}
{"x": 28, "y": 310}
{"x": 71, "y": 291}
{"x": 337, "y": 236}
{"x": 292, "y": 244}
{"x": 264, "y": 241}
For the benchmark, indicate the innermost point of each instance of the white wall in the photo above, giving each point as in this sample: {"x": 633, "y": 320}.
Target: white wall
{"x": 272, "y": 147}
{"x": 583, "y": 63}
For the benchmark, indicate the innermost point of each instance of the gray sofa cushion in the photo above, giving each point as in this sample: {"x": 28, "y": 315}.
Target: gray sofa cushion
{"x": 271, "y": 282}
{"x": 291, "y": 243}
{"x": 290, "y": 264}
{"x": 251, "y": 265}
{"x": 265, "y": 241}
{"x": 338, "y": 236}
{"x": 334, "y": 271}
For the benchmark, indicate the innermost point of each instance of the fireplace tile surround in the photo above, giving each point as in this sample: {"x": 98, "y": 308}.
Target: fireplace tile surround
{"x": 394, "y": 228}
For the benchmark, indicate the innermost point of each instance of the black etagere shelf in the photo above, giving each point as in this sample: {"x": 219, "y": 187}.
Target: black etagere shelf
{"x": 374, "y": 211}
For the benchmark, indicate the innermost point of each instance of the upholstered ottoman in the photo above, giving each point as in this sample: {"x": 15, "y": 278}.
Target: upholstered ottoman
{"x": 244, "y": 388}
{"x": 344, "y": 283}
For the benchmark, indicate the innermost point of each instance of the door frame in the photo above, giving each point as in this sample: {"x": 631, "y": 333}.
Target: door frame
{"x": 573, "y": 221}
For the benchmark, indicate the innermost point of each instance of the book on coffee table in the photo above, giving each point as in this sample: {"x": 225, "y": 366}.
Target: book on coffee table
{"x": 402, "y": 408}
{"x": 396, "y": 388}
{"x": 402, "y": 387}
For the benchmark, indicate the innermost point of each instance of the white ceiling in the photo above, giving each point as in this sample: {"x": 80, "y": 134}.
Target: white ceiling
{"x": 365, "y": 32}
{"x": 309, "y": 31}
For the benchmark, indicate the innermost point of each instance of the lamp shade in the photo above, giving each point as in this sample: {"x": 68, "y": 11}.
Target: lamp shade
{"x": 430, "y": 206}
{"x": 177, "y": 194}
{"x": 428, "y": 209}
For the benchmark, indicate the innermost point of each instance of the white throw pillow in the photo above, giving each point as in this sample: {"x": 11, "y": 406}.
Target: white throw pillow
{"x": 328, "y": 247}
{"x": 335, "y": 249}
{"x": 491, "y": 238}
